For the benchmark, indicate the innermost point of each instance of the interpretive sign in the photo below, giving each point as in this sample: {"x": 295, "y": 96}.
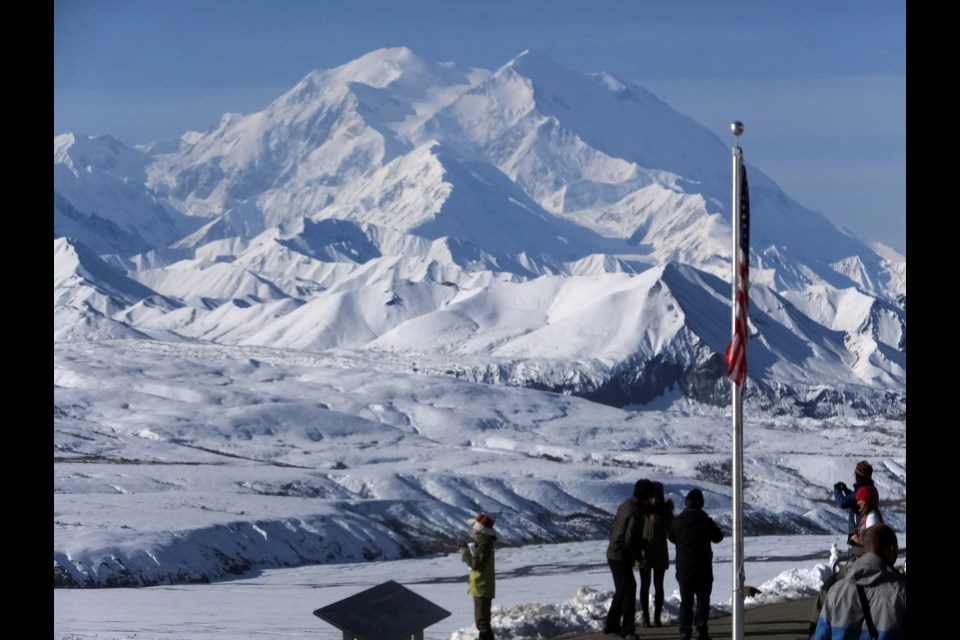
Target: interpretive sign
{"x": 388, "y": 611}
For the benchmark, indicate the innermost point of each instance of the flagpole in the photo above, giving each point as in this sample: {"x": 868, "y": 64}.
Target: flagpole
{"x": 737, "y": 471}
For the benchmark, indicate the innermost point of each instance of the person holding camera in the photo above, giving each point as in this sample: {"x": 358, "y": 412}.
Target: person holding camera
{"x": 478, "y": 554}
{"x": 846, "y": 498}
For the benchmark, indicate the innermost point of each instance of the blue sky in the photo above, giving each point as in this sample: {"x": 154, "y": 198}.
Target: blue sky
{"x": 820, "y": 85}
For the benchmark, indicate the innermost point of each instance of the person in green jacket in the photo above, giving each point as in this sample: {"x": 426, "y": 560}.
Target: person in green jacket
{"x": 478, "y": 555}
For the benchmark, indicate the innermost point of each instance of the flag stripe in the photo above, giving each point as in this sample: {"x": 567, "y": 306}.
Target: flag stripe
{"x": 736, "y": 355}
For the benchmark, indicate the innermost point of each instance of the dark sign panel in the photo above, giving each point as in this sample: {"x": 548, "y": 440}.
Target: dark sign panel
{"x": 388, "y": 611}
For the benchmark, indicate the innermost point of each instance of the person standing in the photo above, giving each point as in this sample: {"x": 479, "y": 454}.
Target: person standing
{"x": 845, "y": 497}
{"x": 868, "y": 503}
{"x": 625, "y": 548}
{"x": 692, "y": 532}
{"x": 656, "y": 557}
{"x": 478, "y": 555}
{"x": 871, "y": 599}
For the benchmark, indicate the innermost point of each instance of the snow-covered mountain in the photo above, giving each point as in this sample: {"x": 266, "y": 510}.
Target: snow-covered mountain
{"x": 299, "y": 331}
{"x": 100, "y": 197}
{"x": 533, "y": 225}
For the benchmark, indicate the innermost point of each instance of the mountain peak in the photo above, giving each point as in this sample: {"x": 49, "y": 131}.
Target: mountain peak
{"x": 386, "y": 54}
{"x": 65, "y": 143}
{"x": 105, "y": 153}
{"x": 382, "y": 67}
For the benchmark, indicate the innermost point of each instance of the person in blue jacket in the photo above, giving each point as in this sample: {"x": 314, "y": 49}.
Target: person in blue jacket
{"x": 845, "y": 497}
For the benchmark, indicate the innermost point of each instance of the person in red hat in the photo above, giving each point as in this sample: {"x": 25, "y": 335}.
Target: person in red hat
{"x": 868, "y": 502}
{"x": 478, "y": 555}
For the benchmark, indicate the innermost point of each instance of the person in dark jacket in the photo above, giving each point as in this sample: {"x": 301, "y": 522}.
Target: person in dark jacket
{"x": 625, "y": 548}
{"x": 656, "y": 557}
{"x": 692, "y": 532}
{"x": 846, "y": 498}
{"x": 478, "y": 555}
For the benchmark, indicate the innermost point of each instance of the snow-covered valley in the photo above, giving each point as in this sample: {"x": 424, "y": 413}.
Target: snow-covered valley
{"x": 188, "y": 462}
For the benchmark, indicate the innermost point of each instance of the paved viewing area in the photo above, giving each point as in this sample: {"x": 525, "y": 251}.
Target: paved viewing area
{"x": 782, "y": 621}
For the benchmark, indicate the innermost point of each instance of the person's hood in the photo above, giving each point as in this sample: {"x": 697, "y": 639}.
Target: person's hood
{"x": 870, "y": 569}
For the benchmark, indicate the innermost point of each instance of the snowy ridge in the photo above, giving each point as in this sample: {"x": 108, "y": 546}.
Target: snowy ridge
{"x": 342, "y": 303}
{"x": 89, "y": 294}
{"x": 613, "y": 327}
{"x": 99, "y": 197}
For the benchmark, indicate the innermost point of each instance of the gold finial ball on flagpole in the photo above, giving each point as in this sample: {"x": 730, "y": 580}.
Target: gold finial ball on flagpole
{"x": 737, "y": 128}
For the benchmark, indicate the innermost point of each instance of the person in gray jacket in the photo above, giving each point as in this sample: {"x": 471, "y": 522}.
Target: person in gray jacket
{"x": 871, "y": 599}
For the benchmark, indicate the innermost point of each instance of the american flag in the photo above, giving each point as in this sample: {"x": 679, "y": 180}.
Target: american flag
{"x": 736, "y": 356}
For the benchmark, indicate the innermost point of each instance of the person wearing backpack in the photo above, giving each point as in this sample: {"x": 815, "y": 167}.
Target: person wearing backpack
{"x": 870, "y": 601}
{"x": 656, "y": 557}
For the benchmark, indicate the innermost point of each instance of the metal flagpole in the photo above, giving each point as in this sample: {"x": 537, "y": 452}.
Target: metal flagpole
{"x": 737, "y": 520}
